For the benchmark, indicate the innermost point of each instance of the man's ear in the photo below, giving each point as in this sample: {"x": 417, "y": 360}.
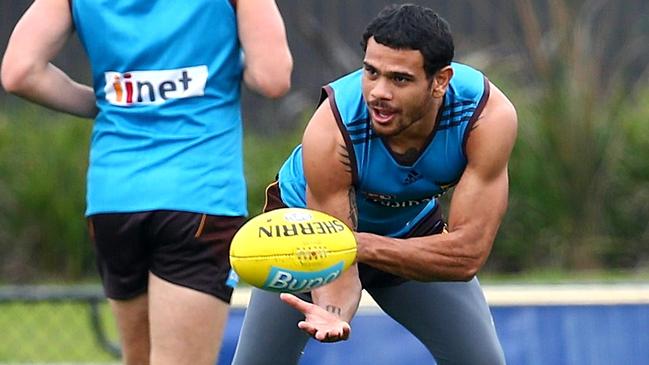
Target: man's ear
{"x": 441, "y": 79}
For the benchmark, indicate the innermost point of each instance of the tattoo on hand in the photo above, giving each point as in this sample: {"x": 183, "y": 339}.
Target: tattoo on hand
{"x": 333, "y": 309}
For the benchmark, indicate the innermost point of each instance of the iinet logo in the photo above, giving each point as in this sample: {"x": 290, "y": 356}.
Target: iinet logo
{"x": 154, "y": 87}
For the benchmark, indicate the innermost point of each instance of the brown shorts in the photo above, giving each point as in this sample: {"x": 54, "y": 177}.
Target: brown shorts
{"x": 187, "y": 249}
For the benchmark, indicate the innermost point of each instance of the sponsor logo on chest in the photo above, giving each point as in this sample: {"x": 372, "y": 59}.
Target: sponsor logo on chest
{"x": 154, "y": 87}
{"x": 391, "y": 201}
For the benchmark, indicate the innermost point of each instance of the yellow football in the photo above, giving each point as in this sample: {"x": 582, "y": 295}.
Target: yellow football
{"x": 292, "y": 250}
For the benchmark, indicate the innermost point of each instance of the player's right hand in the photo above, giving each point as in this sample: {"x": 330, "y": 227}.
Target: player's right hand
{"x": 320, "y": 324}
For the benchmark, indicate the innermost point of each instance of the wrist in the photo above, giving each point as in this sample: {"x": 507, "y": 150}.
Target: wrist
{"x": 363, "y": 246}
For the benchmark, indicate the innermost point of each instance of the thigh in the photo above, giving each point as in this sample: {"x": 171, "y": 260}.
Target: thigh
{"x": 269, "y": 334}
{"x": 132, "y": 317}
{"x": 186, "y": 326}
{"x": 452, "y": 319}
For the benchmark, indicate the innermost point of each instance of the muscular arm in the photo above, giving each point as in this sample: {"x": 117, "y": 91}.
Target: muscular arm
{"x": 328, "y": 172}
{"x": 26, "y": 68}
{"x": 477, "y": 207}
{"x": 268, "y": 59}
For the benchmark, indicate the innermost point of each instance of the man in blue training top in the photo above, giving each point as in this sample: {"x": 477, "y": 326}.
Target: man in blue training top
{"x": 166, "y": 190}
{"x": 384, "y": 144}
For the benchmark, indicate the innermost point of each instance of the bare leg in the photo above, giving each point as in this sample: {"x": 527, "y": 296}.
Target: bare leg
{"x": 133, "y": 324}
{"x": 186, "y": 325}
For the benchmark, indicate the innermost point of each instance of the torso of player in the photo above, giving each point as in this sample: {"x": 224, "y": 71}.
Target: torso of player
{"x": 393, "y": 197}
{"x": 167, "y": 79}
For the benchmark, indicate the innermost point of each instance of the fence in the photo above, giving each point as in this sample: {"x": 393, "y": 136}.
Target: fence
{"x": 561, "y": 324}
{"x": 55, "y": 324}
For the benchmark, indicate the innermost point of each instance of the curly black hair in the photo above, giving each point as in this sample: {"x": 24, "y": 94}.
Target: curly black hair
{"x": 414, "y": 27}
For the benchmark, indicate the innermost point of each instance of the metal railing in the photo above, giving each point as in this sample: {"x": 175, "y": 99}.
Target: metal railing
{"x": 47, "y": 323}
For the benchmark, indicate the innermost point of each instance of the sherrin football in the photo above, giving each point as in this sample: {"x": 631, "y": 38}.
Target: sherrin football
{"x": 292, "y": 250}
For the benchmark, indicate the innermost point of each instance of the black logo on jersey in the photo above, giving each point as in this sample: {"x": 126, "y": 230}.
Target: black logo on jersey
{"x": 390, "y": 201}
{"x": 412, "y": 177}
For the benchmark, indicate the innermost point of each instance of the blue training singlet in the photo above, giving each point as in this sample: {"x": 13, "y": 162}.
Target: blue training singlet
{"x": 392, "y": 198}
{"x": 167, "y": 77}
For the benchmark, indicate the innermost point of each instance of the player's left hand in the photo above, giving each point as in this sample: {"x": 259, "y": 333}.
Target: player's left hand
{"x": 318, "y": 323}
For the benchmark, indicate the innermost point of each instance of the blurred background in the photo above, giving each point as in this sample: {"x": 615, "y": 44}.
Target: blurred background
{"x": 576, "y": 70}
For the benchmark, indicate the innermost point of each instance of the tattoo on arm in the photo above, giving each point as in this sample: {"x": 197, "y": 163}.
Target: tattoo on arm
{"x": 343, "y": 157}
{"x": 333, "y": 309}
{"x": 477, "y": 122}
{"x": 353, "y": 209}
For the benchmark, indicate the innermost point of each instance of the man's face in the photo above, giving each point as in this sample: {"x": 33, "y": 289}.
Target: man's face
{"x": 396, "y": 89}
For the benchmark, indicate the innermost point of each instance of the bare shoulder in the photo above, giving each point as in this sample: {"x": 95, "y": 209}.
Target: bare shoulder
{"x": 499, "y": 110}
{"x": 325, "y": 156}
{"x": 322, "y": 134}
{"x": 493, "y": 135}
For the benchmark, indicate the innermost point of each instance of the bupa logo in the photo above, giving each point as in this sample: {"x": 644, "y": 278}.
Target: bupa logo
{"x": 154, "y": 87}
{"x": 281, "y": 279}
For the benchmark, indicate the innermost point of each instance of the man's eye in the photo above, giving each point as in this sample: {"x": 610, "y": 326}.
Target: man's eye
{"x": 401, "y": 79}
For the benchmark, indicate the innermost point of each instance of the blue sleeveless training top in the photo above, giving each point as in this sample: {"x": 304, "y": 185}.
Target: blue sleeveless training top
{"x": 166, "y": 76}
{"x": 391, "y": 197}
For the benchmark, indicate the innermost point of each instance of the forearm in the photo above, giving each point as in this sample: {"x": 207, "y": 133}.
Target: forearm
{"x": 341, "y": 296}
{"x": 52, "y": 88}
{"x": 268, "y": 61}
{"x": 441, "y": 257}
{"x": 269, "y": 76}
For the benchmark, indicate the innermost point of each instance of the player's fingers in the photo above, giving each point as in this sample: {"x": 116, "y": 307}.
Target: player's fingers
{"x": 346, "y": 331}
{"x": 338, "y": 335}
{"x": 307, "y": 327}
{"x": 324, "y": 336}
{"x": 295, "y": 302}
{"x": 304, "y": 325}
{"x": 328, "y": 337}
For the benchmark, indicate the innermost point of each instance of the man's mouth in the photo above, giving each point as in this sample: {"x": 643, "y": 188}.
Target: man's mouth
{"x": 382, "y": 115}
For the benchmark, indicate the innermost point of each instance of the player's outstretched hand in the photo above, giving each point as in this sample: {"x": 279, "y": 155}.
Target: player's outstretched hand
{"x": 320, "y": 324}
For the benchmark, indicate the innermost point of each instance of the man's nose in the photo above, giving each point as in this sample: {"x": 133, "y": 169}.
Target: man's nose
{"x": 381, "y": 90}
